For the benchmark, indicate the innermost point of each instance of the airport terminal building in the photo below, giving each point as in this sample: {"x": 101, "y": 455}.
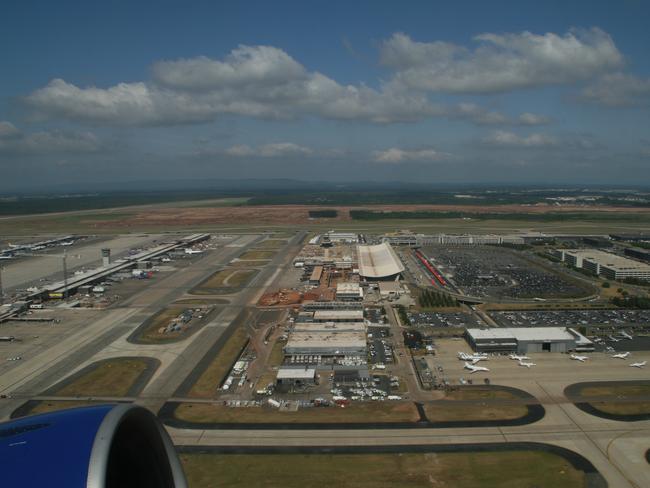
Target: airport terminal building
{"x": 523, "y": 340}
{"x": 378, "y": 262}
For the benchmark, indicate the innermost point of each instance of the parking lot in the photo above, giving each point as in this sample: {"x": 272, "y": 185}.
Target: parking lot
{"x": 374, "y": 315}
{"x": 444, "y": 319}
{"x": 377, "y": 387}
{"x": 571, "y": 318}
{"x": 380, "y": 350}
{"x": 487, "y": 271}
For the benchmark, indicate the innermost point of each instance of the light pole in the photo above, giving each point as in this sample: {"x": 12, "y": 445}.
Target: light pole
{"x": 2, "y": 291}
{"x": 64, "y": 258}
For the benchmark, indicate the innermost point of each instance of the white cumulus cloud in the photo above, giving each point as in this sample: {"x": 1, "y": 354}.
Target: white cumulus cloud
{"x": 619, "y": 90}
{"x": 15, "y": 141}
{"x": 271, "y": 150}
{"x": 397, "y": 155}
{"x": 501, "y": 62}
{"x": 256, "y": 81}
{"x": 510, "y": 139}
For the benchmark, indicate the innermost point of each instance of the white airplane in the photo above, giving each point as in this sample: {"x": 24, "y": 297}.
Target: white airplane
{"x": 474, "y": 358}
{"x": 626, "y": 335}
{"x": 66, "y": 243}
{"x": 474, "y": 369}
{"x": 613, "y": 339}
{"x": 515, "y": 357}
{"x": 621, "y": 355}
{"x": 582, "y": 359}
{"x": 526, "y": 365}
{"x": 192, "y": 251}
{"x": 638, "y": 365}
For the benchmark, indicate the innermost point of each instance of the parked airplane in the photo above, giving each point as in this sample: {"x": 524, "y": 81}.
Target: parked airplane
{"x": 515, "y": 357}
{"x": 613, "y": 339}
{"x": 193, "y": 251}
{"x": 621, "y": 355}
{"x": 474, "y": 358}
{"x": 474, "y": 369}
{"x": 638, "y": 365}
{"x": 67, "y": 243}
{"x": 526, "y": 365}
{"x": 582, "y": 359}
{"x": 626, "y": 335}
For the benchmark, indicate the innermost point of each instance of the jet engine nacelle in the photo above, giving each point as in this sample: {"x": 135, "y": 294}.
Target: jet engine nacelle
{"x": 106, "y": 446}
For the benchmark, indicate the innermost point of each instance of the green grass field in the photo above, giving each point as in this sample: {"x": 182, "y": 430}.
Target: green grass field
{"x": 451, "y": 412}
{"x": 223, "y": 281}
{"x": 271, "y": 244}
{"x": 207, "y": 384}
{"x": 635, "y": 396}
{"x": 110, "y": 378}
{"x": 53, "y": 406}
{"x": 257, "y": 254}
{"x": 506, "y": 469}
{"x": 356, "y": 412}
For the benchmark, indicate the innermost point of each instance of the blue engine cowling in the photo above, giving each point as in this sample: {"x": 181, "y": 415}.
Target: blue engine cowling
{"x": 106, "y": 446}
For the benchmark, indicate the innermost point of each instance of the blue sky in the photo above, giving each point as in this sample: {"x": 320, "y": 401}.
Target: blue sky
{"x": 530, "y": 92}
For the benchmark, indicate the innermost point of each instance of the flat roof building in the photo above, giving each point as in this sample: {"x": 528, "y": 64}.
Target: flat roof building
{"x": 316, "y": 275}
{"x": 348, "y": 291}
{"x": 296, "y": 376}
{"x": 326, "y": 344}
{"x": 329, "y": 327}
{"x": 338, "y": 316}
{"x": 389, "y": 289}
{"x": 525, "y": 340}
{"x": 611, "y": 266}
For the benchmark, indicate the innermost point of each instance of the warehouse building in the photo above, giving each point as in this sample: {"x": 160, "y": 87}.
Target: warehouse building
{"x": 301, "y": 376}
{"x": 379, "y": 262}
{"x": 524, "y": 340}
{"x": 316, "y": 275}
{"x": 326, "y": 344}
{"x": 329, "y": 327}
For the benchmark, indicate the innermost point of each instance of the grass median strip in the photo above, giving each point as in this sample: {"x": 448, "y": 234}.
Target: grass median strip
{"x": 224, "y": 281}
{"x": 633, "y": 398}
{"x": 272, "y": 244}
{"x": 356, "y": 412}
{"x": 443, "y": 411}
{"x": 257, "y": 255}
{"x": 111, "y": 378}
{"x": 413, "y": 470}
{"x": 207, "y": 384}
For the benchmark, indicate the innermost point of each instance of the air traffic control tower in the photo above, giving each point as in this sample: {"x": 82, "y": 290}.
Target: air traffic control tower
{"x": 106, "y": 257}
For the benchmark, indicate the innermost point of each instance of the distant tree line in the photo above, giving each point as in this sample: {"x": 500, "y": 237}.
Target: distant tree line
{"x": 323, "y": 214}
{"x": 403, "y": 316}
{"x": 538, "y": 217}
{"x": 636, "y": 281}
{"x": 632, "y": 302}
{"x": 510, "y": 245}
{"x": 430, "y": 299}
